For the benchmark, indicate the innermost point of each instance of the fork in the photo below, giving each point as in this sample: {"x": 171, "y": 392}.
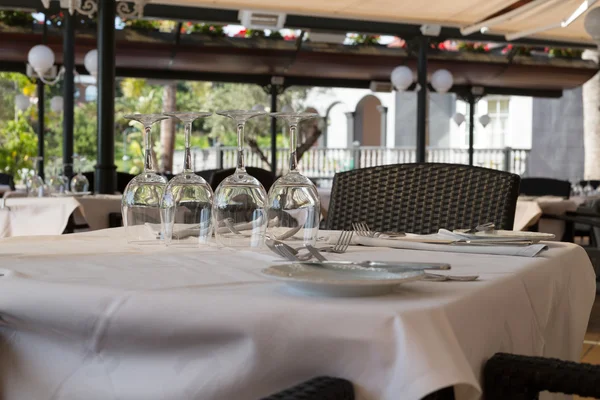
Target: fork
{"x": 362, "y": 229}
{"x": 287, "y": 253}
{"x": 341, "y": 245}
{"x": 315, "y": 252}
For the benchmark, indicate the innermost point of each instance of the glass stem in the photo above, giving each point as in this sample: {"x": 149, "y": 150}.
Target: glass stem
{"x": 240, "y": 155}
{"x": 293, "y": 146}
{"x": 187, "y": 156}
{"x": 148, "y": 160}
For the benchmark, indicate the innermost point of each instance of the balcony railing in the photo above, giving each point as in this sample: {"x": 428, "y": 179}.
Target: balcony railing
{"x": 322, "y": 162}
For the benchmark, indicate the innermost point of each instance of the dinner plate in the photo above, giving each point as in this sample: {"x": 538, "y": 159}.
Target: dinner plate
{"x": 503, "y": 234}
{"x": 340, "y": 279}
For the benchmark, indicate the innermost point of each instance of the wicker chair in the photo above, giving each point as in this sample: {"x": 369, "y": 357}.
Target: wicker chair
{"x": 545, "y": 187}
{"x": 515, "y": 377}
{"x": 422, "y": 198}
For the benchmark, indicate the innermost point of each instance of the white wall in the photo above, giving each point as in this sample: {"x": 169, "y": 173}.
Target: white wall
{"x": 349, "y": 98}
{"x": 520, "y": 122}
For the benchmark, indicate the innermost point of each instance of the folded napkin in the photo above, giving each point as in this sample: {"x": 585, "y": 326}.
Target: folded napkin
{"x": 443, "y": 241}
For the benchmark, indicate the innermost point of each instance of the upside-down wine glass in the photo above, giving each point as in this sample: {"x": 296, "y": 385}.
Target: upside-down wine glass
{"x": 143, "y": 194}
{"x": 56, "y": 182}
{"x": 187, "y": 200}
{"x": 240, "y": 203}
{"x": 294, "y": 205}
{"x": 79, "y": 183}
{"x": 34, "y": 182}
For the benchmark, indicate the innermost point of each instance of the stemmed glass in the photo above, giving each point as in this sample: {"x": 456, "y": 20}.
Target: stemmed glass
{"x": 239, "y": 207}
{"x": 141, "y": 198}
{"x": 57, "y": 182}
{"x": 294, "y": 206}
{"x": 79, "y": 183}
{"x": 34, "y": 182}
{"x": 187, "y": 201}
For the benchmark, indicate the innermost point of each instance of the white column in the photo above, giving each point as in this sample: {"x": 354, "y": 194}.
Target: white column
{"x": 383, "y": 125}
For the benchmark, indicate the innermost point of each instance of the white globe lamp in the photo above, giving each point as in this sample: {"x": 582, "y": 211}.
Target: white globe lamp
{"x": 459, "y": 118}
{"x": 22, "y": 102}
{"x": 402, "y": 77}
{"x": 57, "y": 104}
{"x": 442, "y": 80}
{"x": 485, "y": 120}
{"x": 91, "y": 62}
{"x": 41, "y": 58}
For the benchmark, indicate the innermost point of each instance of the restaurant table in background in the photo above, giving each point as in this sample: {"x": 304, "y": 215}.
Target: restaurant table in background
{"x": 149, "y": 322}
{"x": 4, "y": 189}
{"x": 32, "y": 216}
{"x": 530, "y": 210}
{"x": 94, "y": 210}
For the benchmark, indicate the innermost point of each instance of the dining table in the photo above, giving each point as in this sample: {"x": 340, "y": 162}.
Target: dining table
{"x": 28, "y": 216}
{"x": 89, "y": 316}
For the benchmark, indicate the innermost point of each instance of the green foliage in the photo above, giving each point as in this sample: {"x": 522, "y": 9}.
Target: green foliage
{"x": 18, "y": 143}
{"x": 16, "y": 18}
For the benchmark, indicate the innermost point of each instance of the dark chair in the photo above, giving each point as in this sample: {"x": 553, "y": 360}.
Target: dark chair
{"x": 422, "y": 198}
{"x": 207, "y": 174}
{"x": 265, "y": 177}
{"x": 545, "y": 187}
{"x": 6, "y": 179}
{"x": 515, "y": 377}
{"x": 123, "y": 179}
{"x": 90, "y": 177}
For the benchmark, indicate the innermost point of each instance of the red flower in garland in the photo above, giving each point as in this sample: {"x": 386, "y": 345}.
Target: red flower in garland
{"x": 241, "y": 33}
{"x": 289, "y": 37}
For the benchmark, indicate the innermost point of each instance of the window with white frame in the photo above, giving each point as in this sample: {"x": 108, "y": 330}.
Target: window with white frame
{"x": 498, "y": 128}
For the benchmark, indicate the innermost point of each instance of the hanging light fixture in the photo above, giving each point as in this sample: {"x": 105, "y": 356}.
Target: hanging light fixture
{"x": 485, "y": 120}
{"x": 57, "y": 104}
{"x": 442, "y": 80}
{"x": 91, "y": 62}
{"x": 126, "y": 9}
{"x": 41, "y": 65}
{"x": 22, "y": 102}
{"x": 459, "y": 118}
{"x": 402, "y": 78}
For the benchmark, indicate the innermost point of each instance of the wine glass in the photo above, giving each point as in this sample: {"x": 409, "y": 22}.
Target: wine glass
{"x": 294, "y": 205}
{"x": 187, "y": 201}
{"x": 79, "y": 183}
{"x": 141, "y": 199}
{"x": 56, "y": 182}
{"x": 239, "y": 207}
{"x": 34, "y": 182}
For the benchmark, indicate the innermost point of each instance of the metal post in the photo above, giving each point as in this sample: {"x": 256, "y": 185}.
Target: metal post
{"x": 41, "y": 112}
{"x": 471, "y": 99}
{"x": 423, "y": 42}
{"x": 68, "y": 91}
{"x": 507, "y": 159}
{"x": 383, "y": 125}
{"x": 106, "y": 179}
{"x": 274, "y": 131}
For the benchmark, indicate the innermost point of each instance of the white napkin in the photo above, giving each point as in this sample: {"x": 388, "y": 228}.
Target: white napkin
{"x": 411, "y": 243}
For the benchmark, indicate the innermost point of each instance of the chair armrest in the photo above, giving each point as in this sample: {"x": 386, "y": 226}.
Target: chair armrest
{"x": 320, "y": 388}
{"x": 516, "y": 377}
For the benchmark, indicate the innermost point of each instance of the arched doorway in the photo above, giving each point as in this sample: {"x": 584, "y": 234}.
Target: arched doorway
{"x": 367, "y": 122}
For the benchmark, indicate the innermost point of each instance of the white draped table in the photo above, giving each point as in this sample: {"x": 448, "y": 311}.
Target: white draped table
{"x": 86, "y": 316}
{"x": 29, "y": 216}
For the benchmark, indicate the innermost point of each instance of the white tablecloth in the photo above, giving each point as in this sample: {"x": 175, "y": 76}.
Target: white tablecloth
{"x": 86, "y": 316}
{"x": 30, "y": 216}
{"x": 530, "y": 210}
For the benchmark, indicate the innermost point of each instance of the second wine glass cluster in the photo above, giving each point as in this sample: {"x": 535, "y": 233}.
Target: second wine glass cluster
{"x": 184, "y": 211}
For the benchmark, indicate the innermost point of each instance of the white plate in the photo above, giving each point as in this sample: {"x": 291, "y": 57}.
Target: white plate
{"x": 70, "y": 194}
{"x": 340, "y": 279}
{"x": 501, "y": 234}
